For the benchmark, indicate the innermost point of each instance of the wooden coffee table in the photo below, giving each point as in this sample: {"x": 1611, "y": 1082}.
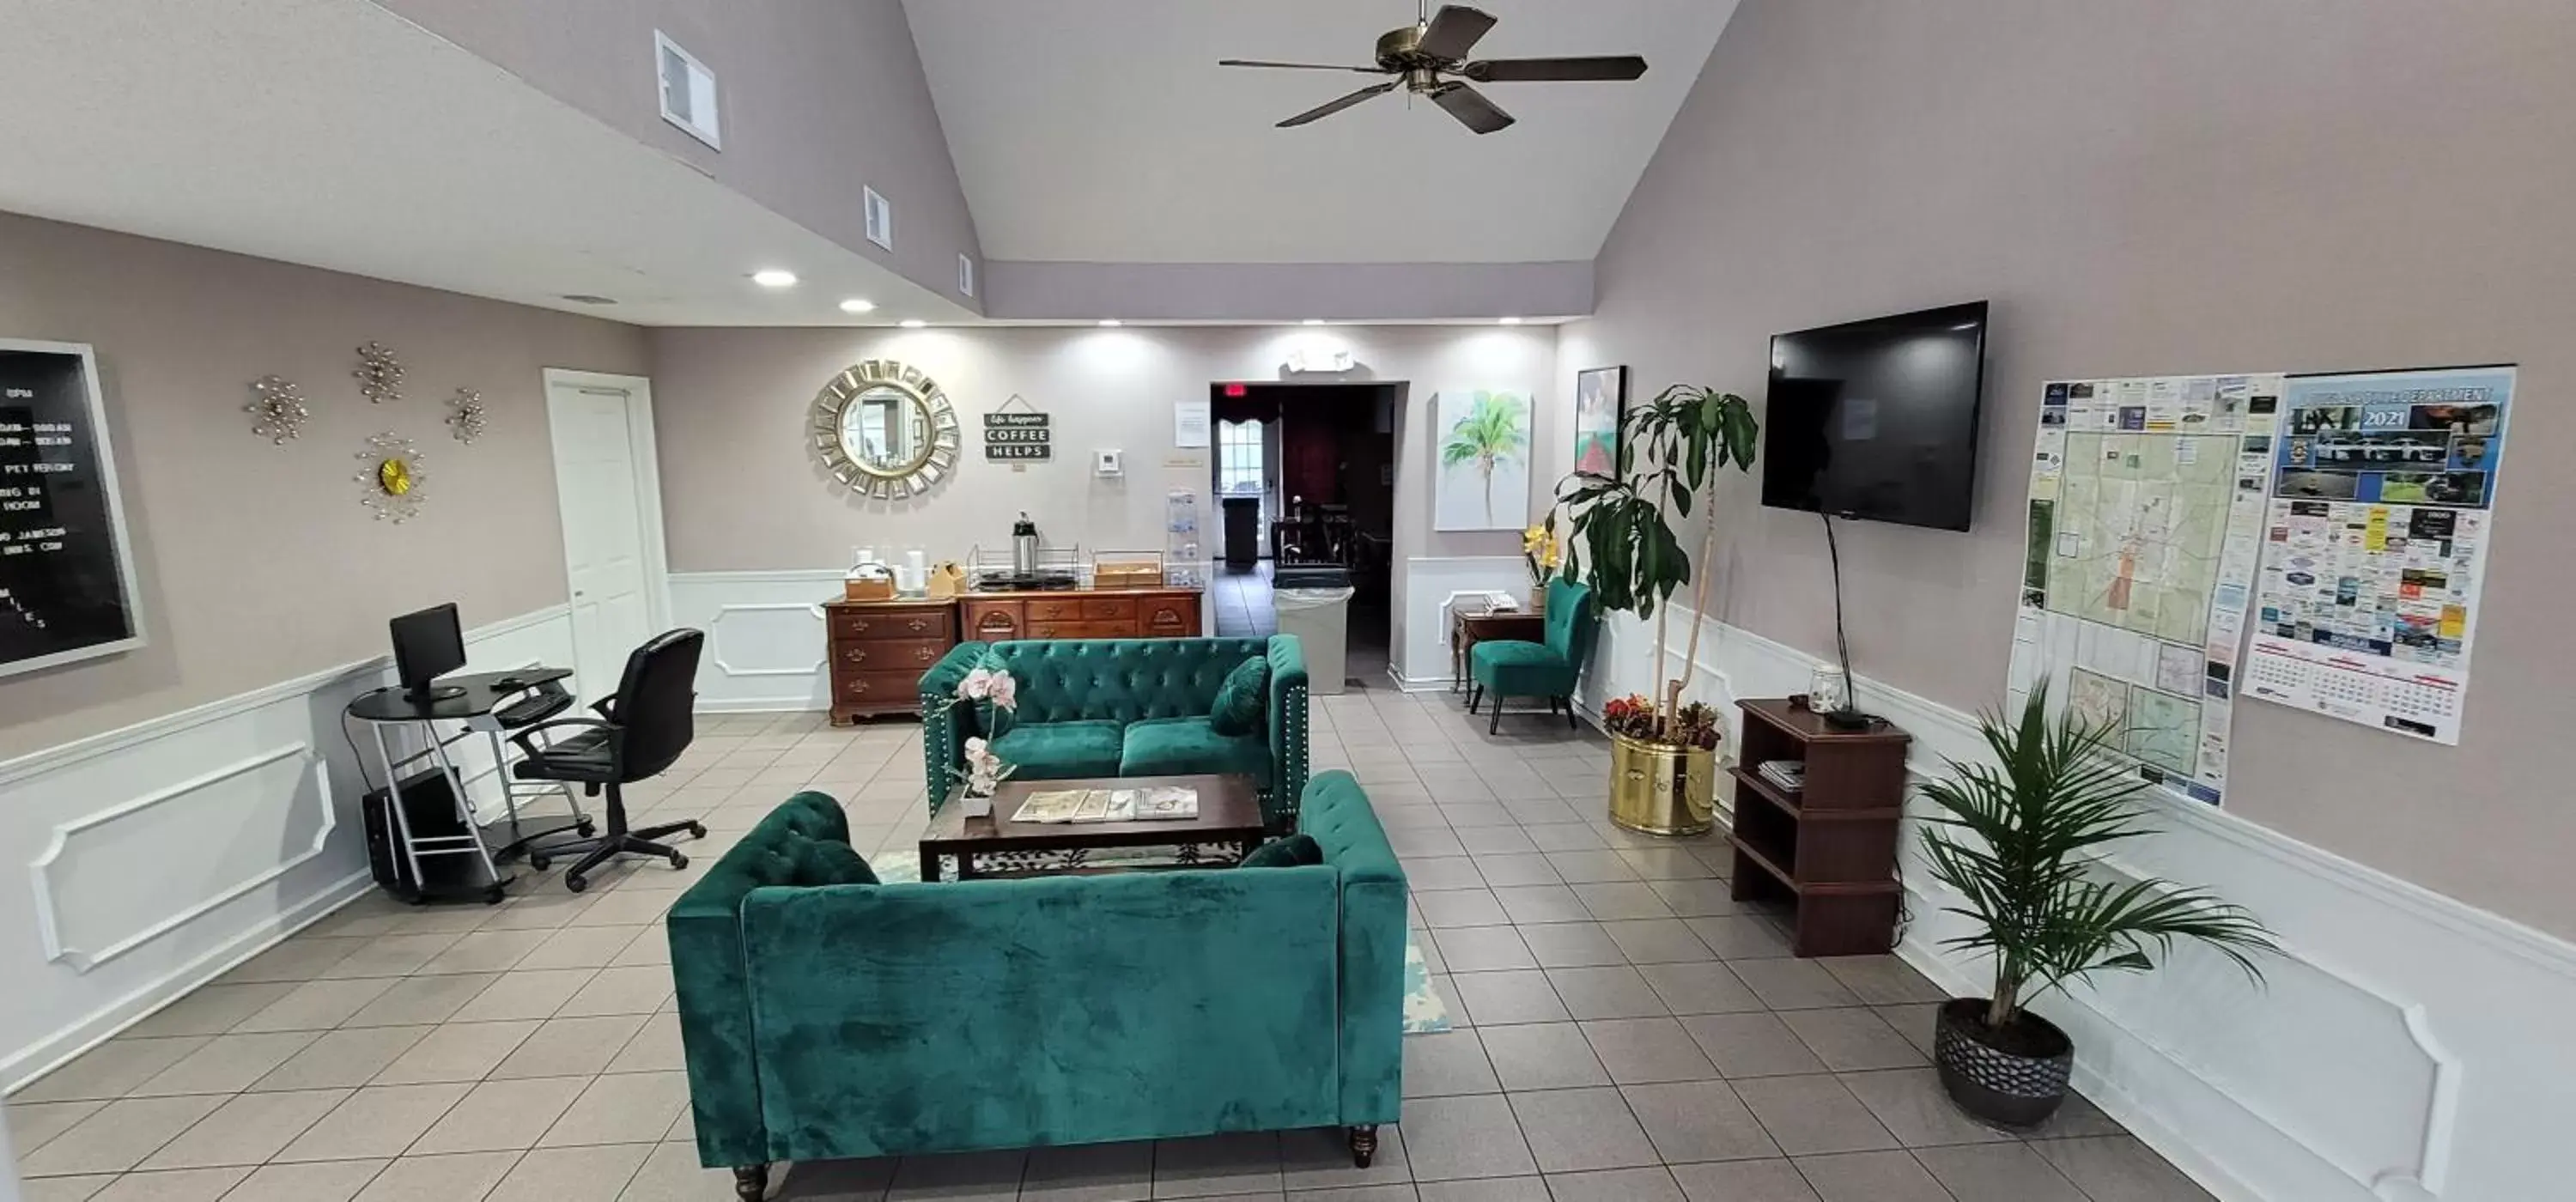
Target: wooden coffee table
{"x": 1229, "y": 814}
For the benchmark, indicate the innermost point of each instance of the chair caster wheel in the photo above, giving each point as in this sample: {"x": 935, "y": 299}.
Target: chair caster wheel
{"x": 539, "y": 863}
{"x": 576, "y": 883}
{"x": 586, "y": 828}
{"x": 697, "y": 831}
{"x": 492, "y": 896}
{"x": 678, "y": 860}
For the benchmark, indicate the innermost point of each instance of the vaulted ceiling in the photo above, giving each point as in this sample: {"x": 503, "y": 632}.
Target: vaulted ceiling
{"x": 1105, "y": 132}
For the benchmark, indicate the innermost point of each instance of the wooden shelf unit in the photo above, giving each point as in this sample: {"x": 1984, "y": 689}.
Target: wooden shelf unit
{"x": 1829, "y": 850}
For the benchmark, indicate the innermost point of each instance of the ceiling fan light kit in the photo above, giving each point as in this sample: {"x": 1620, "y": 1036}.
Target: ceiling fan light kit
{"x": 1429, "y": 59}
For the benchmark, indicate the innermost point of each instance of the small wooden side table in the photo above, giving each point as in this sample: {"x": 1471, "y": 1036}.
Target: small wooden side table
{"x": 1470, "y": 627}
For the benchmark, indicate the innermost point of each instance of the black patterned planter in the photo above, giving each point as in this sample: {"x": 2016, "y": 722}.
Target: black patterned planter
{"x": 2017, "y": 1088}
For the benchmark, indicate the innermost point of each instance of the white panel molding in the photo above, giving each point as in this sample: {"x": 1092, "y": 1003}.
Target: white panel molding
{"x": 92, "y": 946}
{"x": 2403, "y": 1050}
{"x": 1422, "y": 662}
{"x": 49, "y": 900}
{"x": 739, "y": 675}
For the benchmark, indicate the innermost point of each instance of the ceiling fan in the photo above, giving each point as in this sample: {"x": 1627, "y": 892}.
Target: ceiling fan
{"x": 1422, "y": 53}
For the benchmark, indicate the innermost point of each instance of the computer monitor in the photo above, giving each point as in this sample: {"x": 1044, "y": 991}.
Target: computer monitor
{"x": 427, "y": 645}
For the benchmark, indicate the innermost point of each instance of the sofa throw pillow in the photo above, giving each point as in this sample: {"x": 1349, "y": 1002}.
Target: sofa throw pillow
{"x": 995, "y": 721}
{"x": 1295, "y": 851}
{"x": 1241, "y": 699}
{"x": 831, "y": 862}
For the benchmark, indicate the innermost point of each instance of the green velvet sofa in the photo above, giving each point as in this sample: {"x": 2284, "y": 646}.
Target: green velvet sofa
{"x": 1125, "y": 707}
{"x": 827, "y": 1022}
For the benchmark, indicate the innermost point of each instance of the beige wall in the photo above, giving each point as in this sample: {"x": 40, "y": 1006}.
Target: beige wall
{"x": 742, "y": 492}
{"x": 2191, "y": 186}
{"x": 816, "y": 100}
{"x": 257, "y": 562}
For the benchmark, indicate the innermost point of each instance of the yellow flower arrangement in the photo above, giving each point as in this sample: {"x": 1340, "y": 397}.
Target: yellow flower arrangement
{"x": 1541, "y": 549}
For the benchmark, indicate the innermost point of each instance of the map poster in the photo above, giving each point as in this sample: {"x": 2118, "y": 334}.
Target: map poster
{"x": 2376, "y": 545}
{"x": 2146, "y": 525}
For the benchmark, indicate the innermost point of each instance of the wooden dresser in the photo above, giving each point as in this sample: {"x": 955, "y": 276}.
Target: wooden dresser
{"x": 879, "y": 649}
{"x": 1156, "y": 613}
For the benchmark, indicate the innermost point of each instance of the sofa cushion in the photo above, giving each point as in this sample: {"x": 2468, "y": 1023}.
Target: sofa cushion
{"x": 1517, "y": 668}
{"x": 1295, "y": 851}
{"x": 1060, "y": 750}
{"x": 830, "y": 862}
{"x": 1192, "y": 747}
{"x": 1240, "y": 700}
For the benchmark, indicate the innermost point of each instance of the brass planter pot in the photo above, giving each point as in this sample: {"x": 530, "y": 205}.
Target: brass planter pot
{"x": 1661, "y": 789}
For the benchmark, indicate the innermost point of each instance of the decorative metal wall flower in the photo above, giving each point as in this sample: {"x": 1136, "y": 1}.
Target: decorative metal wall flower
{"x": 467, "y": 418}
{"x": 279, "y": 406}
{"x": 392, "y": 482}
{"x": 379, "y": 373}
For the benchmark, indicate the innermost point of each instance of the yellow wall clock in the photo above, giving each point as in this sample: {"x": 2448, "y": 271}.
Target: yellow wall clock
{"x": 393, "y": 480}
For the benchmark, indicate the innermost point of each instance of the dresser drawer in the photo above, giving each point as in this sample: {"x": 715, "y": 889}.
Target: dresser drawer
{"x": 991, "y": 621}
{"x": 1082, "y": 630}
{"x": 887, "y": 655}
{"x": 895, "y": 689}
{"x": 1171, "y": 617}
{"x": 1055, "y": 609}
{"x": 872, "y": 624}
{"x": 1104, "y": 609}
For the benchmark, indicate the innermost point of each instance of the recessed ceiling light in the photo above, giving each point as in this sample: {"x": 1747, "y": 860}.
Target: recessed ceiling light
{"x": 1314, "y": 321}
{"x": 1511, "y": 321}
{"x": 1109, "y": 321}
{"x": 912, "y": 323}
{"x": 589, "y": 298}
{"x": 858, "y": 305}
{"x": 772, "y": 277}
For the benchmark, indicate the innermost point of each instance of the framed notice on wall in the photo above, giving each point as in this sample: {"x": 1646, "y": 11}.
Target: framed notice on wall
{"x": 67, "y": 588}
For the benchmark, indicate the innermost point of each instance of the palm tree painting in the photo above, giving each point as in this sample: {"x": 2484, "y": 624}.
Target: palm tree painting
{"x": 1484, "y": 461}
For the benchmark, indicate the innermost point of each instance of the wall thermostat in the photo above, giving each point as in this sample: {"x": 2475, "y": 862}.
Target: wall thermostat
{"x": 1106, "y": 463}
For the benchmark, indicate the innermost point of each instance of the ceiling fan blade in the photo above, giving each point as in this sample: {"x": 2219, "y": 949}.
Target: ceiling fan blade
{"x": 1545, "y": 70}
{"x": 1328, "y": 109}
{"x": 1453, "y": 31}
{"x": 1470, "y": 107}
{"x": 1252, "y": 62}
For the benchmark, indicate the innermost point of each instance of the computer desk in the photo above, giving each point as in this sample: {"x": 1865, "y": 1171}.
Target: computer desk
{"x": 488, "y": 703}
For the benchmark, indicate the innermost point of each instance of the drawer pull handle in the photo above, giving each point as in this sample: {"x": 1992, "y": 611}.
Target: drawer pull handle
{"x": 856, "y": 655}
{"x": 859, "y": 624}
{"x": 923, "y": 655}
{"x": 858, "y": 686}
{"x": 920, "y": 624}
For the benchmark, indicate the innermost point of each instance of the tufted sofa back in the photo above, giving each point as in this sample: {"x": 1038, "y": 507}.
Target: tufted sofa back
{"x": 1124, "y": 680}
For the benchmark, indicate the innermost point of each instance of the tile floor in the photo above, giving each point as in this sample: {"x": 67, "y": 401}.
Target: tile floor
{"x": 1624, "y": 1031}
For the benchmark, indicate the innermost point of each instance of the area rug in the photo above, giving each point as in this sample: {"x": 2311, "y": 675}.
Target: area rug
{"x": 1424, "y": 1012}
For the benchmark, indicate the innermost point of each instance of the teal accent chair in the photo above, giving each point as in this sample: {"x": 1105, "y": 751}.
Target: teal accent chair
{"x": 837, "y": 1021}
{"x": 1510, "y": 668}
{"x": 1125, "y": 707}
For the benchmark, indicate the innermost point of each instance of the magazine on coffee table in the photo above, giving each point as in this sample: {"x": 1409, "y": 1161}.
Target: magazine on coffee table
{"x": 1108, "y": 805}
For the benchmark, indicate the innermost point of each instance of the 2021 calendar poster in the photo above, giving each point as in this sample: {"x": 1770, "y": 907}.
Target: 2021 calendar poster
{"x": 2375, "y": 545}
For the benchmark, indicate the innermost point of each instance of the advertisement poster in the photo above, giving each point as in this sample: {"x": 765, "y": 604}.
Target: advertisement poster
{"x": 2376, "y": 545}
{"x": 2146, "y": 524}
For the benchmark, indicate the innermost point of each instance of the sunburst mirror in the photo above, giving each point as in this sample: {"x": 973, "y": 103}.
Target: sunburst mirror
{"x": 884, "y": 430}
{"x": 391, "y": 481}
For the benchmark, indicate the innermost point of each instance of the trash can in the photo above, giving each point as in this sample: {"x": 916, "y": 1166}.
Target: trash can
{"x": 1315, "y": 605}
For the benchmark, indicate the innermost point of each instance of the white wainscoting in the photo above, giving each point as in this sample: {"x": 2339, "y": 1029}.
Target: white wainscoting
{"x": 765, "y": 636}
{"x": 157, "y": 856}
{"x": 2407, "y": 1046}
{"x": 1429, "y": 583}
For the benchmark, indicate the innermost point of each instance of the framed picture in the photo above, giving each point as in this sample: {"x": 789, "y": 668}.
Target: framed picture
{"x": 67, "y": 590}
{"x": 1481, "y": 445}
{"x": 1600, "y": 400}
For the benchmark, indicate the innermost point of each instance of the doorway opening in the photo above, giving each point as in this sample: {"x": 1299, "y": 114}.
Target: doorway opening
{"x": 1304, "y": 475}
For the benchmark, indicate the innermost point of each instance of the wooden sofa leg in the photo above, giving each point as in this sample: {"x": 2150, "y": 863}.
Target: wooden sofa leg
{"x": 1363, "y": 1145}
{"x": 751, "y": 1181}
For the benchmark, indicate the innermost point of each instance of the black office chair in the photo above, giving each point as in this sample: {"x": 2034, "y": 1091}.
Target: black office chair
{"x": 637, "y": 734}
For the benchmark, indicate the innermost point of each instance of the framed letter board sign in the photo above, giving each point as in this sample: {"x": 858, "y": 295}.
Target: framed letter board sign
{"x": 66, "y": 569}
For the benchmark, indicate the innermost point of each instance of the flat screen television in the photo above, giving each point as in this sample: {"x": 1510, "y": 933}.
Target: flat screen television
{"x": 1878, "y": 419}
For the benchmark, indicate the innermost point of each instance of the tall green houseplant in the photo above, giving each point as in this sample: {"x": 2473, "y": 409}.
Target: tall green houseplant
{"x": 2017, "y": 840}
{"x": 1492, "y": 434}
{"x": 1623, "y": 541}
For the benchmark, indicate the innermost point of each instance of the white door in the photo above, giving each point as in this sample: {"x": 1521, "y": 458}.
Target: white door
{"x": 603, "y": 483}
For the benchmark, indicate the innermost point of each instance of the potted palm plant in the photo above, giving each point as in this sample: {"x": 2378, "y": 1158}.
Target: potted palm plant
{"x": 1623, "y": 544}
{"x": 2016, "y": 839}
